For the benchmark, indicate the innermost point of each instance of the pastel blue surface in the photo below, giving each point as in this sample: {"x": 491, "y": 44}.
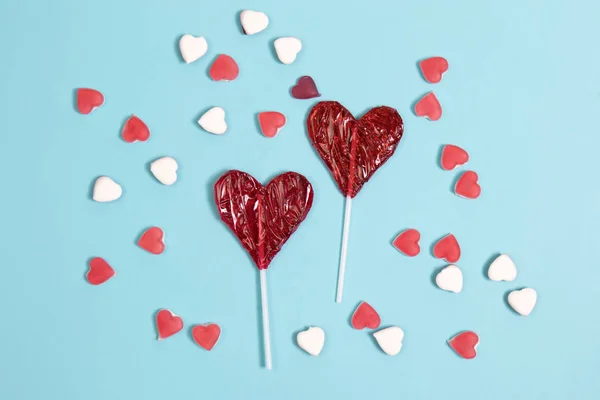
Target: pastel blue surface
{"x": 522, "y": 96}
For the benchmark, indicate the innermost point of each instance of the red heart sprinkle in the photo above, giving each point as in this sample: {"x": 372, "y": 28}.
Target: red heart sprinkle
{"x": 447, "y": 248}
{"x": 88, "y": 100}
{"x": 453, "y": 156}
{"x": 167, "y": 323}
{"x": 429, "y": 107}
{"x": 464, "y": 344}
{"x": 263, "y": 217}
{"x": 224, "y": 68}
{"x": 135, "y": 129}
{"x": 305, "y": 89}
{"x": 100, "y": 271}
{"x": 271, "y": 122}
{"x": 408, "y": 242}
{"x": 467, "y": 185}
{"x": 365, "y": 316}
{"x": 206, "y": 336}
{"x": 433, "y": 68}
{"x": 153, "y": 240}
{"x": 353, "y": 149}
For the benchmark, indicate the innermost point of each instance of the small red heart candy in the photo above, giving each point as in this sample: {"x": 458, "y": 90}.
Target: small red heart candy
{"x": 429, "y": 107}
{"x": 224, "y": 68}
{"x": 153, "y": 240}
{"x": 453, "y": 156}
{"x": 271, "y": 122}
{"x": 100, "y": 271}
{"x": 447, "y": 248}
{"x": 88, "y": 100}
{"x": 433, "y": 69}
{"x": 408, "y": 242}
{"x": 365, "y": 316}
{"x": 464, "y": 344}
{"x": 167, "y": 323}
{"x": 135, "y": 129}
{"x": 467, "y": 186}
{"x": 305, "y": 89}
{"x": 206, "y": 336}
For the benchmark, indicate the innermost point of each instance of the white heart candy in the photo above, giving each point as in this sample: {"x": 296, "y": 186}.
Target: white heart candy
{"x": 287, "y": 48}
{"x": 450, "y": 279}
{"x": 213, "y": 121}
{"x": 105, "y": 190}
{"x": 253, "y": 21}
{"x": 311, "y": 340}
{"x": 165, "y": 170}
{"x": 390, "y": 340}
{"x": 523, "y": 301}
{"x": 192, "y": 48}
{"x": 502, "y": 269}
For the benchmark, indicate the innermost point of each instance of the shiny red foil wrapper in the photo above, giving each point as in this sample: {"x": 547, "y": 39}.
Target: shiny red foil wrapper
{"x": 263, "y": 217}
{"x": 353, "y": 149}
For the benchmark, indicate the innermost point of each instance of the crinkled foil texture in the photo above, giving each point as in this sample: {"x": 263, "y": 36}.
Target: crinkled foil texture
{"x": 263, "y": 217}
{"x": 353, "y": 149}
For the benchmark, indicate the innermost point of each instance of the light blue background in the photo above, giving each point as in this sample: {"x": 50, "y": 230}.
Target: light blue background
{"x": 522, "y": 96}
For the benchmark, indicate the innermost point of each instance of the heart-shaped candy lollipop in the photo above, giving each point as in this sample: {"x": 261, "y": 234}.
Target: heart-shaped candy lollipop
{"x": 263, "y": 217}
{"x": 353, "y": 149}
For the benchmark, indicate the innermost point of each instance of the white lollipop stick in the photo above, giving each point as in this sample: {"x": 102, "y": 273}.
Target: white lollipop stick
{"x": 265, "y": 318}
{"x": 345, "y": 233}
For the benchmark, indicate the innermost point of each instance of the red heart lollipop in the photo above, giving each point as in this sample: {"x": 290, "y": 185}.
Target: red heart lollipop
{"x": 263, "y": 217}
{"x": 353, "y": 149}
